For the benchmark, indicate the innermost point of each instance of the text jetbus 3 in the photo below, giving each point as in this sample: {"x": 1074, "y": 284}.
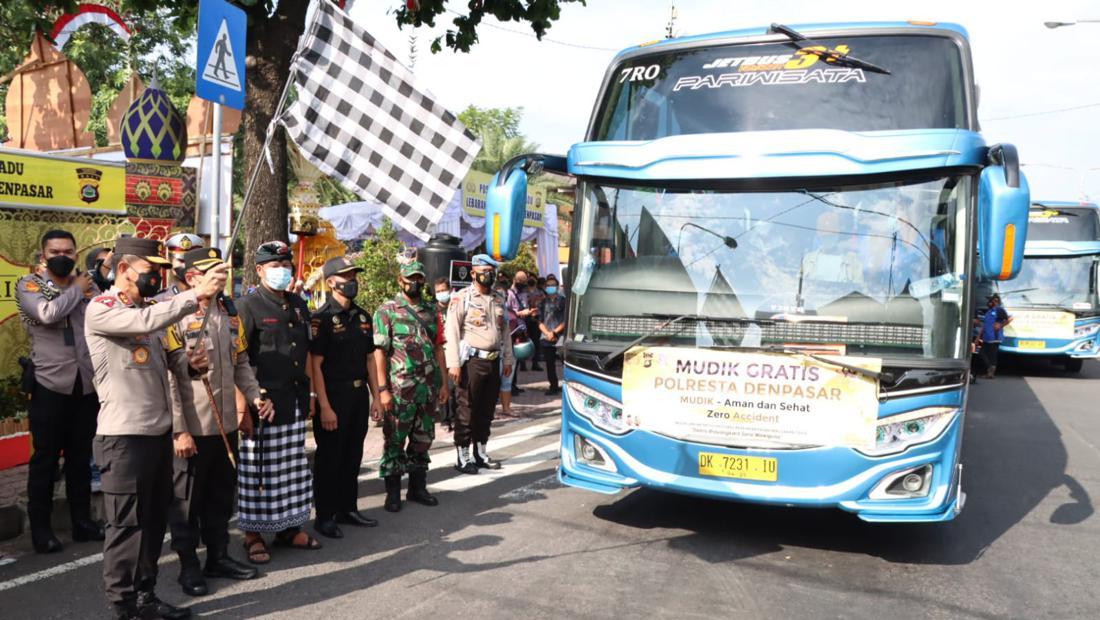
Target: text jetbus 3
{"x": 776, "y": 236}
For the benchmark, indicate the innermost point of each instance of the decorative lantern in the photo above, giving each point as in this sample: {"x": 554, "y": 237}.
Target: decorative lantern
{"x": 153, "y": 130}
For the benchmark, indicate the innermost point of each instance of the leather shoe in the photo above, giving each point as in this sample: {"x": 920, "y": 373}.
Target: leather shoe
{"x": 355, "y": 518}
{"x": 126, "y": 610}
{"x": 191, "y": 579}
{"x": 46, "y": 542}
{"x": 150, "y": 606}
{"x": 86, "y": 529}
{"x": 228, "y": 568}
{"x": 327, "y": 528}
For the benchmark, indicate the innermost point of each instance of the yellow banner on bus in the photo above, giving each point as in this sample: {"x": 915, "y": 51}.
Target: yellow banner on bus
{"x": 36, "y": 181}
{"x": 475, "y": 188}
{"x": 750, "y": 399}
{"x": 1040, "y": 324}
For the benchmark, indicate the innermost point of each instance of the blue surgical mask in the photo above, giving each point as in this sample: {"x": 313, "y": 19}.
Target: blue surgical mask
{"x": 278, "y": 278}
{"x": 551, "y": 290}
{"x": 443, "y": 297}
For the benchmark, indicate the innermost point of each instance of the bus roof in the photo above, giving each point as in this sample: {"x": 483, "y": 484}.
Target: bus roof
{"x": 807, "y": 29}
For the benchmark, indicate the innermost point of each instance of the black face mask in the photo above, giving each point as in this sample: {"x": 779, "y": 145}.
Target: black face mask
{"x": 60, "y": 266}
{"x": 485, "y": 278}
{"x": 148, "y": 284}
{"x": 520, "y": 286}
{"x": 413, "y": 288}
{"x": 100, "y": 280}
{"x": 181, "y": 275}
{"x": 348, "y": 289}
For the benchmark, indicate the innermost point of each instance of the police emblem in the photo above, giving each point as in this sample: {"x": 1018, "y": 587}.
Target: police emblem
{"x": 335, "y": 320}
{"x": 185, "y": 243}
{"x": 89, "y": 183}
{"x": 141, "y": 355}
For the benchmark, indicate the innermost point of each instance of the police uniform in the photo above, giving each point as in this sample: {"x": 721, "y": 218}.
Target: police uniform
{"x": 206, "y": 483}
{"x": 274, "y": 483}
{"x": 178, "y": 245}
{"x": 63, "y": 405}
{"x": 407, "y": 334}
{"x": 477, "y": 340}
{"x": 343, "y": 339}
{"x": 133, "y": 445}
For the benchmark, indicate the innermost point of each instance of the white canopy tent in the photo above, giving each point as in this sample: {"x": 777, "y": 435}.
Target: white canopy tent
{"x": 355, "y": 221}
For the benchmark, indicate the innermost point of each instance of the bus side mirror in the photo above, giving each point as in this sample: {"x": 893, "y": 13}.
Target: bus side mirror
{"x": 505, "y": 210}
{"x": 1003, "y": 203}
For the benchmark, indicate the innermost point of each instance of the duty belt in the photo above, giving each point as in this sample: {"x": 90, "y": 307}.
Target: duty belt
{"x": 485, "y": 355}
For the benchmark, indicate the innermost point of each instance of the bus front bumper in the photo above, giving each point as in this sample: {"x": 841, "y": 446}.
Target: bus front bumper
{"x": 816, "y": 477}
{"x": 1080, "y": 348}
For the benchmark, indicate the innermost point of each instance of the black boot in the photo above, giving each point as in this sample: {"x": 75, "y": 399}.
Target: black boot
{"x": 191, "y": 579}
{"x": 482, "y": 458}
{"x": 418, "y": 489}
{"x": 86, "y": 529}
{"x": 465, "y": 463}
{"x": 393, "y": 493}
{"x": 152, "y": 607}
{"x": 44, "y": 540}
{"x": 126, "y": 610}
{"x": 220, "y": 564}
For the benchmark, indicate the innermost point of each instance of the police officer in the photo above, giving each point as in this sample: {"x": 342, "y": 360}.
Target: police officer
{"x": 205, "y": 478}
{"x": 344, "y": 377}
{"x": 63, "y": 404}
{"x": 133, "y": 446}
{"x": 477, "y": 340}
{"x": 274, "y": 482}
{"x": 98, "y": 264}
{"x": 178, "y": 245}
{"x": 409, "y": 359}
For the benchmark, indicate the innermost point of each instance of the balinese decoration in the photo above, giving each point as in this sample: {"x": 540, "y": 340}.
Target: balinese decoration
{"x": 102, "y": 13}
{"x": 48, "y": 102}
{"x": 161, "y": 192}
{"x": 153, "y": 130}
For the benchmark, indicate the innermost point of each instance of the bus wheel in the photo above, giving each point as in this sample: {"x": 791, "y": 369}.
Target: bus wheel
{"x": 1074, "y": 364}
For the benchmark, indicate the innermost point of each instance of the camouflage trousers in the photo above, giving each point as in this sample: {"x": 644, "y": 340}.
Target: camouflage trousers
{"x": 409, "y": 431}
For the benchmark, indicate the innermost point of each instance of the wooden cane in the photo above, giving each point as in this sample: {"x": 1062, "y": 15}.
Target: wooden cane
{"x": 218, "y": 420}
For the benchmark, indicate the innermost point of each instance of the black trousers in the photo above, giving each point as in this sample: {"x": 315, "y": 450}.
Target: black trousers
{"x": 340, "y": 452}
{"x": 533, "y": 333}
{"x": 60, "y": 423}
{"x": 550, "y": 358}
{"x": 137, "y": 491}
{"x": 205, "y": 496}
{"x": 990, "y": 351}
{"x": 478, "y": 390}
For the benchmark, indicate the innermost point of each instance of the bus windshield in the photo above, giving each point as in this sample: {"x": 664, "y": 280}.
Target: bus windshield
{"x": 869, "y": 269}
{"x": 776, "y": 86}
{"x": 1062, "y": 282}
{"x": 1063, "y": 224}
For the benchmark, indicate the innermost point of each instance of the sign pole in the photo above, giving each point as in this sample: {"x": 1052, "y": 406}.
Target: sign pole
{"x": 216, "y": 181}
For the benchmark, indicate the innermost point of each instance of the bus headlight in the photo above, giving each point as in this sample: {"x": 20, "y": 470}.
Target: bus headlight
{"x": 604, "y": 412}
{"x": 1086, "y": 330}
{"x": 896, "y": 433}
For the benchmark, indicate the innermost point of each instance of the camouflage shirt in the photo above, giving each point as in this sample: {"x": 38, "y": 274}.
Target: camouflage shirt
{"x": 409, "y": 342}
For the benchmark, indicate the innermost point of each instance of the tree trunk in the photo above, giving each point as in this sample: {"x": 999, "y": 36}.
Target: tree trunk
{"x": 271, "y": 44}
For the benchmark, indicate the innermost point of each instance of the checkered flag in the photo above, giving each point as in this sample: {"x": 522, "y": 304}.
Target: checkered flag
{"x": 360, "y": 119}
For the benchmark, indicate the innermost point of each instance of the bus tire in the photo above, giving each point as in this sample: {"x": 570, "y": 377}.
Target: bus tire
{"x": 1074, "y": 364}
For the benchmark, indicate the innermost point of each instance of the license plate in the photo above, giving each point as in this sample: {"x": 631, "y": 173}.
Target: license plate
{"x": 743, "y": 467}
{"x": 1032, "y": 344}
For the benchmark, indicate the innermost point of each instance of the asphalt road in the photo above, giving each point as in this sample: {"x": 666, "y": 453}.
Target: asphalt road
{"x": 518, "y": 545}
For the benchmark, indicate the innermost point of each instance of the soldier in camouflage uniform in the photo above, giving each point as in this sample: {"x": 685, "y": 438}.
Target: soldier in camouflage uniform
{"x": 408, "y": 358}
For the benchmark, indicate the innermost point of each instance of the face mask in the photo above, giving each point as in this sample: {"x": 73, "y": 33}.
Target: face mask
{"x": 412, "y": 288}
{"x": 148, "y": 284}
{"x": 181, "y": 274}
{"x": 348, "y": 289}
{"x": 551, "y": 290}
{"x": 520, "y": 286}
{"x": 277, "y": 278}
{"x": 443, "y": 297}
{"x": 485, "y": 278}
{"x": 60, "y": 266}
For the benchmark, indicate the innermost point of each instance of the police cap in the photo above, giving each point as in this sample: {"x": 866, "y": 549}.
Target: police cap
{"x": 148, "y": 249}
{"x": 201, "y": 259}
{"x": 340, "y": 264}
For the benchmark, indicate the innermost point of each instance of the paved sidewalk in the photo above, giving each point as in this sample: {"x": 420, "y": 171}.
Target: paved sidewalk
{"x": 532, "y": 403}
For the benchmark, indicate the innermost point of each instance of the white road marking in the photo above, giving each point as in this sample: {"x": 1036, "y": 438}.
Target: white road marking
{"x": 514, "y": 465}
{"x": 445, "y": 458}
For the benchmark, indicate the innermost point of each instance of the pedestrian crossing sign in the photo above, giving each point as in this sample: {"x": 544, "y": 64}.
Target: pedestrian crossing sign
{"x": 221, "y": 51}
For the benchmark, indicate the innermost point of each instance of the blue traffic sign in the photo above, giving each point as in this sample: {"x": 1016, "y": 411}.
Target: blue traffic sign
{"x": 219, "y": 76}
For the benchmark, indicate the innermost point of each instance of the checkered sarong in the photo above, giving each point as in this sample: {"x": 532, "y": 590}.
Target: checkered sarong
{"x": 360, "y": 119}
{"x": 287, "y": 495}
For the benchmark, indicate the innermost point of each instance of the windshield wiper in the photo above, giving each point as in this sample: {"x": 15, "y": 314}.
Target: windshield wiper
{"x": 824, "y": 52}
{"x": 610, "y": 357}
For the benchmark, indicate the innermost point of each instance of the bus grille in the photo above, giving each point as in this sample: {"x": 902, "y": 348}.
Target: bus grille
{"x": 778, "y": 332}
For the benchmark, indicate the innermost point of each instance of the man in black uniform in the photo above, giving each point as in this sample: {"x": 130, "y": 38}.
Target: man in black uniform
{"x": 64, "y": 404}
{"x": 344, "y": 379}
{"x": 274, "y": 483}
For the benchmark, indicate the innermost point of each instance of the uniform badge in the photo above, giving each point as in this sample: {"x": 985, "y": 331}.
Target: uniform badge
{"x": 32, "y": 286}
{"x": 194, "y": 325}
{"x": 335, "y": 320}
{"x": 363, "y": 318}
{"x": 141, "y": 355}
{"x": 106, "y": 301}
{"x": 314, "y": 327}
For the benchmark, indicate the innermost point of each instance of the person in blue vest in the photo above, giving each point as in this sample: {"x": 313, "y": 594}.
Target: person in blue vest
{"x": 992, "y": 323}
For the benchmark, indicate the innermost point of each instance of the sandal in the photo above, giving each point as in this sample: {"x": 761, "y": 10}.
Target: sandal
{"x": 257, "y": 550}
{"x": 296, "y": 541}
